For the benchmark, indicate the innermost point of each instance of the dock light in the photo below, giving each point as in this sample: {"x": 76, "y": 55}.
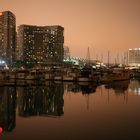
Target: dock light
{"x": 1, "y": 130}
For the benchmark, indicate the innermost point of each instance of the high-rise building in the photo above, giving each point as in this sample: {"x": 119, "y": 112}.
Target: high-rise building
{"x": 134, "y": 57}
{"x": 7, "y": 37}
{"x": 66, "y": 52}
{"x": 40, "y": 44}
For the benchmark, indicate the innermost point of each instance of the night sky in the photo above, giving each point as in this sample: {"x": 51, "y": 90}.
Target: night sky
{"x": 102, "y": 25}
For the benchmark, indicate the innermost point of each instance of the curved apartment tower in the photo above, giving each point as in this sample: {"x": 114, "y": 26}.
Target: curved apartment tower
{"x": 41, "y": 44}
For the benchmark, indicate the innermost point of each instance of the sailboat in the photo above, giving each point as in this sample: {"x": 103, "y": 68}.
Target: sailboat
{"x": 115, "y": 74}
{"x": 87, "y": 73}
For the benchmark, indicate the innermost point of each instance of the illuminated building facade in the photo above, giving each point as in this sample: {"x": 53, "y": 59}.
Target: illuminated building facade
{"x": 7, "y": 37}
{"x": 41, "y": 44}
{"x": 134, "y": 57}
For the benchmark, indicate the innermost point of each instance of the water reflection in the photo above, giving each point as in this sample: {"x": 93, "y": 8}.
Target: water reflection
{"x": 119, "y": 87}
{"x": 8, "y": 108}
{"x": 32, "y": 100}
{"x": 41, "y": 100}
{"x": 88, "y": 88}
{"x": 47, "y": 99}
{"x": 84, "y": 87}
{"x": 135, "y": 87}
{"x": 36, "y": 100}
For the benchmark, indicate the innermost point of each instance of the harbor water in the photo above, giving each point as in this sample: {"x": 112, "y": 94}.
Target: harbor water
{"x": 70, "y": 111}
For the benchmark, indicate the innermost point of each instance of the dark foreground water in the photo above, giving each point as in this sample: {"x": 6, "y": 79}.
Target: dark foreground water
{"x": 70, "y": 111}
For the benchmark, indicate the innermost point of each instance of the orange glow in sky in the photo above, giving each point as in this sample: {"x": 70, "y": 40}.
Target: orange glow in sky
{"x": 102, "y": 25}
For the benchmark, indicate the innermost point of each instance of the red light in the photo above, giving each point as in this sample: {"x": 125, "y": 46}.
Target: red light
{"x": 1, "y": 130}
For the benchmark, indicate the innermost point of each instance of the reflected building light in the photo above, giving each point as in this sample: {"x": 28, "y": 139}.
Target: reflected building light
{"x": 129, "y": 90}
{"x": 2, "y": 62}
{"x": 138, "y": 91}
{"x": 135, "y": 90}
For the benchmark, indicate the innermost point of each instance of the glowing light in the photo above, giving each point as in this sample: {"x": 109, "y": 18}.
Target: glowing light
{"x": 0, "y": 14}
{"x": 2, "y": 62}
{"x": 1, "y": 130}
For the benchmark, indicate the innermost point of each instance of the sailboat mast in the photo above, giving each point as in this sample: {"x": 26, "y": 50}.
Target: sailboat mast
{"x": 108, "y": 58}
{"x": 88, "y": 56}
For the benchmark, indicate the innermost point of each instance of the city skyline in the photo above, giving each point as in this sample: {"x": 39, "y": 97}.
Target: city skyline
{"x": 111, "y": 25}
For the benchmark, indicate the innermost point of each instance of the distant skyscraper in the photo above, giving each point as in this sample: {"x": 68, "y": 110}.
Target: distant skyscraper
{"x": 134, "y": 57}
{"x": 7, "y": 37}
{"x": 40, "y": 44}
{"x": 66, "y": 52}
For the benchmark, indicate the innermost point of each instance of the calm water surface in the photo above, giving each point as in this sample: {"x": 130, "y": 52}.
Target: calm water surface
{"x": 70, "y": 111}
